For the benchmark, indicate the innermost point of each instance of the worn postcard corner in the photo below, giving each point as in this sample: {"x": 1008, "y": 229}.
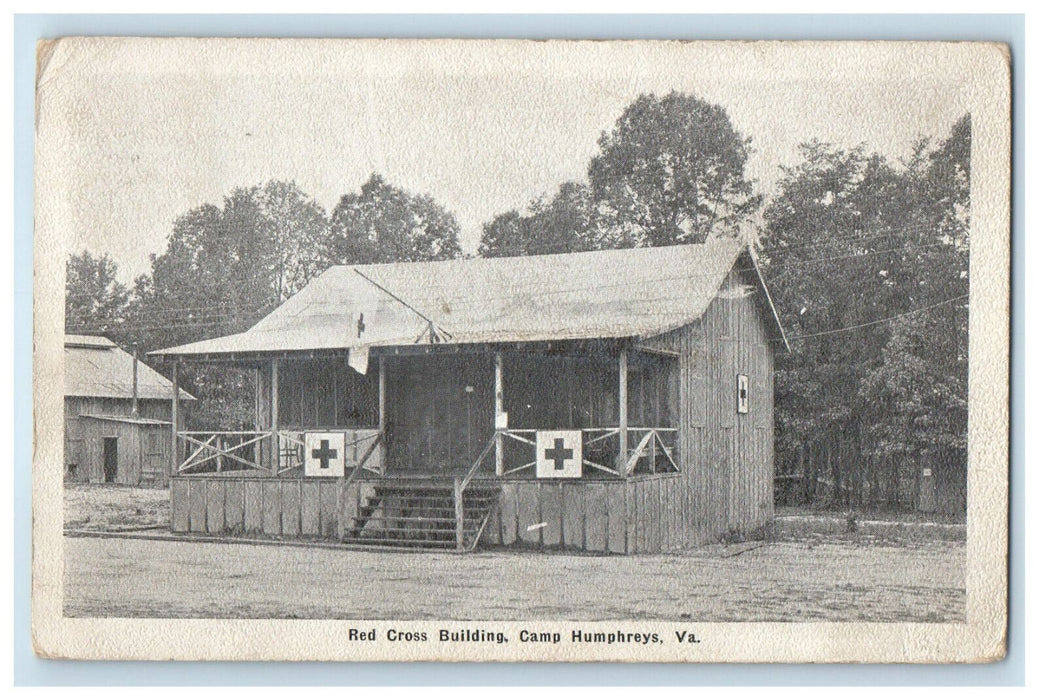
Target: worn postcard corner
{"x": 521, "y": 351}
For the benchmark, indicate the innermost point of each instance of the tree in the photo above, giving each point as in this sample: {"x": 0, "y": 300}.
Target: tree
{"x": 838, "y": 233}
{"x": 224, "y": 268}
{"x": 299, "y": 225}
{"x": 672, "y": 171}
{"x": 921, "y": 385}
{"x": 567, "y": 222}
{"x": 95, "y": 301}
{"x": 867, "y": 261}
{"x": 920, "y": 399}
{"x": 382, "y": 223}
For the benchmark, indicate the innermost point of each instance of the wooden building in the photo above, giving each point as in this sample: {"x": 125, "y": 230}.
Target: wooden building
{"x": 117, "y": 415}
{"x": 611, "y": 401}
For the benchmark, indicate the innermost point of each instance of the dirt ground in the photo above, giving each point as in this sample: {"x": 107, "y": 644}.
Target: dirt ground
{"x": 786, "y": 581}
{"x": 108, "y": 507}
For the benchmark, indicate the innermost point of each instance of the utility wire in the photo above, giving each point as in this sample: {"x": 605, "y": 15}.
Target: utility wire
{"x": 231, "y": 308}
{"x": 217, "y": 317}
{"x": 463, "y": 301}
{"x": 468, "y": 300}
{"x": 847, "y": 329}
{"x": 825, "y": 242}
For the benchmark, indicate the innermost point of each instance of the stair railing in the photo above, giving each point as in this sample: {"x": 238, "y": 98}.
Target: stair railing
{"x": 353, "y": 475}
{"x": 479, "y": 532}
{"x": 460, "y": 484}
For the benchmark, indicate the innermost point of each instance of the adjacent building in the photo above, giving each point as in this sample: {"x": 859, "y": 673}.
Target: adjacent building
{"x": 117, "y": 415}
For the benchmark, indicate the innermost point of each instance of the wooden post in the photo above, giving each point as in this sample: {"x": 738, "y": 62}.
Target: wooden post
{"x": 381, "y": 414}
{"x": 622, "y": 410}
{"x": 652, "y": 446}
{"x": 499, "y": 409}
{"x": 134, "y": 383}
{"x": 274, "y": 396}
{"x": 174, "y": 419}
{"x": 459, "y": 514}
{"x": 256, "y": 448}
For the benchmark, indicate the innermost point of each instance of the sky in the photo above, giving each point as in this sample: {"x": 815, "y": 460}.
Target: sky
{"x": 133, "y": 133}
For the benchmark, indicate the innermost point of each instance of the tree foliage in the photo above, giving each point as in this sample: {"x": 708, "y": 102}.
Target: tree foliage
{"x": 857, "y": 243}
{"x": 383, "y": 223}
{"x": 867, "y": 260}
{"x": 225, "y": 266}
{"x": 567, "y": 222}
{"x": 672, "y": 170}
{"x": 223, "y": 269}
{"x": 95, "y": 301}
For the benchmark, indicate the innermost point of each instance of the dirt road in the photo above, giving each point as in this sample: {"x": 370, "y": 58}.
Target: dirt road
{"x": 785, "y": 581}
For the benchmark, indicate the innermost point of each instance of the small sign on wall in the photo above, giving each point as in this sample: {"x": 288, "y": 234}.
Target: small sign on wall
{"x": 325, "y": 454}
{"x": 742, "y": 393}
{"x": 559, "y": 454}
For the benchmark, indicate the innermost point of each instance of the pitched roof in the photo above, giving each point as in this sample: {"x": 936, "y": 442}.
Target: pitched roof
{"x": 636, "y": 292}
{"x": 95, "y": 366}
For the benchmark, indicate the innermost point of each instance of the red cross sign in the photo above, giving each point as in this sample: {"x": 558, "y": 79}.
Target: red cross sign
{"x": 325, "y": 454}
{"x": 559, "y": 454}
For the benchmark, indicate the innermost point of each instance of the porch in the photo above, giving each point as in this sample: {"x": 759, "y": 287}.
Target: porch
{"x": 453, "y": 411}
{"x": 427, "y": 444}
{"x": 642, "y": 514}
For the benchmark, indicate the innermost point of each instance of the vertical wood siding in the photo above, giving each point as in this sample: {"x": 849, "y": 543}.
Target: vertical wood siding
{"x": 727, "y": 457}
{"x": 140, "y": 457}
{"x": 253, "y": 506}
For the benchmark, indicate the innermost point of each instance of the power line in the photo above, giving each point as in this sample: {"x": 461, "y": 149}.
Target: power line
{"x": 217, "y": 319}
{"x": 833, "y": 331}
{"x": 468, "y": 300}
{"x": 787, "y": 266}
{"x": 879, "y": 321}
{"x": 225, "y": 313}
{"x": 232, "y": 308}
{"x": 856, "y": 238}
{"x": 921, "y": 228}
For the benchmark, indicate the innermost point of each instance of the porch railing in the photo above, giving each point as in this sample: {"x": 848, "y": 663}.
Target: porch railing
{"x": 650, "y": 449}
{"x": 223, "y": 450}
{"x": 243, "y": 450}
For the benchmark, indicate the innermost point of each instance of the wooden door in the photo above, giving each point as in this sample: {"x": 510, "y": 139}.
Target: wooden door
{"x": 110, "y": 459}
{"x": 440, "y": 411}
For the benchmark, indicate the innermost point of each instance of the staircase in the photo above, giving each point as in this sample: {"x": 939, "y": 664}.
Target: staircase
{"x": 420, "y": 514}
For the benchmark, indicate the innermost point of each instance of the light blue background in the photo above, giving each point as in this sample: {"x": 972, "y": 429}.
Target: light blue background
{"x": 30, "y": 670}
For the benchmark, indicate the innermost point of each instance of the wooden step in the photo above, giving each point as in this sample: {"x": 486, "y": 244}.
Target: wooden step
{"x": 449, "y": 531}
{"x": 468, "y": 496}
{"x": 416, "y": 511}
{"x": 432, "y": 505}
{"x": 416, "y": 515}
{"x": 393, "y": 542}
{"x": 446, "y": 533}
{"x": 429, "y": 489}
{"x": 408, "y": 534}
{"x": 406, "y": 505}
{"x": 421, "y": 513}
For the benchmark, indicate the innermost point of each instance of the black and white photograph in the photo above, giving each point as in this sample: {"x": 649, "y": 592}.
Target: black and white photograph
{"x": 513, "y": 350}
